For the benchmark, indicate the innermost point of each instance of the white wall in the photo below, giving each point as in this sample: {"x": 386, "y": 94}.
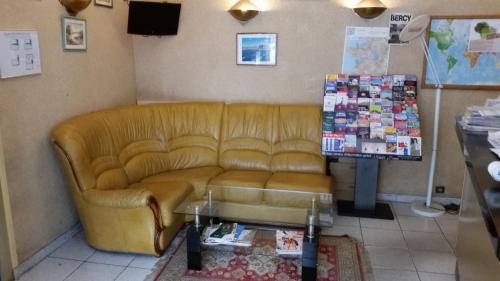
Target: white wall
{"x": 71, "y": 83}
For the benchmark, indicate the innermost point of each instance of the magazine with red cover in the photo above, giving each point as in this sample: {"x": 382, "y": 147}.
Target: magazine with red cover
{"x": 289, "y": 242}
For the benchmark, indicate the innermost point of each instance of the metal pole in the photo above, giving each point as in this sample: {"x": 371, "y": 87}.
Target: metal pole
{"x": 435, "y": 133}
{"x": 432, "y": 167}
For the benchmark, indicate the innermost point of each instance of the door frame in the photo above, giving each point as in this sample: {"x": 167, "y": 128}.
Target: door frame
{"x": 8, "y": 254}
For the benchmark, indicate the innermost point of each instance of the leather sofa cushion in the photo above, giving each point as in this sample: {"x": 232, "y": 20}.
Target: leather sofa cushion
{"x": 168, "y": 195}
{"x": 297, "y": 182}
{"x": 113, "y": 148}
{"x": 246, "y": 136}
{"x": 253, "y": 181}
{"x": 297, "y": 140}
{"x": 136, "y": 141}
{"x": 197, "y": 177}
{"x": 241, "y": 178}
{"x": 192, "y": 132}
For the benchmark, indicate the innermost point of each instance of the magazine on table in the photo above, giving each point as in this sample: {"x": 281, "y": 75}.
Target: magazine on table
{"x": 232, "y": 234}
{"x": 289, "y": 242}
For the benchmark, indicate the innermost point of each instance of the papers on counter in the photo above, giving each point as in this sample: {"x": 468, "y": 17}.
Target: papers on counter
{"x": 496, "y": 151}
{"x": 482, "y": 119}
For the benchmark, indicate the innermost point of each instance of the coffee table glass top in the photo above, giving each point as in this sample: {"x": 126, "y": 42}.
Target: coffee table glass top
{"x": 260, "y": 206}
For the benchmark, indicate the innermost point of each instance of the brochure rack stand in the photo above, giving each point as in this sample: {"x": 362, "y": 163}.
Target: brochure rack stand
{"x": 370, "y": 118}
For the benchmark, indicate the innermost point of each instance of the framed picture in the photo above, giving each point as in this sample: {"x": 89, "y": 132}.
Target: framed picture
{"x": 74, "y": 34}
{"x": 466, "y": 52}
{"x": 256, "y": 48}
{"x": 105, "y": 3}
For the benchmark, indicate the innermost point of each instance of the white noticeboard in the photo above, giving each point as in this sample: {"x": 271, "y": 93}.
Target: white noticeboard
{"x": 19, "y": 53}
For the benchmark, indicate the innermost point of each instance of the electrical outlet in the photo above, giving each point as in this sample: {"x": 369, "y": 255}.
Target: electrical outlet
{"x": 440, "y": 189}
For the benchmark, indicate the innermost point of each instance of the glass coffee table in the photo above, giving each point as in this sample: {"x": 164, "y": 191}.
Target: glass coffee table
{"x": 262, "y": 210}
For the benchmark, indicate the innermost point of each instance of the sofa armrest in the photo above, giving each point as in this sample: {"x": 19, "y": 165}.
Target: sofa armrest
{"x": 120, "y": 198}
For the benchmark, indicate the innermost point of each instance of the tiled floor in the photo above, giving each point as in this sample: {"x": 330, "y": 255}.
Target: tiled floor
{"x": 76, "y": 261}
{"x": 410, "y": 248}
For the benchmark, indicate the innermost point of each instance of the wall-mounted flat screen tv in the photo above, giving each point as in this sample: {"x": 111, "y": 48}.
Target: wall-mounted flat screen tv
{"x": 153, "y": 18}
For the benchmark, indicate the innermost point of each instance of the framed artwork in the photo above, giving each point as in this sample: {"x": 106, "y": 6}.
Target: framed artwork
{"x": 105, "y": 3}
{"x": 74, "y": 34}
{"x": 466, "y": 52}
{"x": 19, "y": 53}
{"x": 256, "y": 48}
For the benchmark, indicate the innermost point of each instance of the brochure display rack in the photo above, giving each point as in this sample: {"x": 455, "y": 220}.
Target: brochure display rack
{"x": 371, "y": 118}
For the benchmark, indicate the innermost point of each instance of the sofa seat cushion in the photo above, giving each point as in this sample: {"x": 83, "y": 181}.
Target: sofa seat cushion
{"x": 281, "y": 182}
{"x": 299, "y": 182}
{"x": 168, "y": 195}
{"x": 252, "y": 181}
{"x": 197, "y": 177}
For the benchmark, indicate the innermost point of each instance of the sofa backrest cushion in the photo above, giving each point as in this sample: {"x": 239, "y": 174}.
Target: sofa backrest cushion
{"x": 192, "y": 133}
{"x": 113, "y": 148}
{"x": 246, "y": 137}
{"x": 297, "y": 140}
{"x": 89, "y": 147}
{"x": 116, "y": 147}
{"x": 139, "y": 141}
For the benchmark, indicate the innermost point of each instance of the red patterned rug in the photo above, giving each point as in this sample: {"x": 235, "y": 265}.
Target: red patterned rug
{"x": 341, "y": 258}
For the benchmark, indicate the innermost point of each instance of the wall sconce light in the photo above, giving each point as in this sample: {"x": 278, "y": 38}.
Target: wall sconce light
{"x": 244, "y": 10}
{"x": 369, "y": 9}
{"x": 74, "y": 6}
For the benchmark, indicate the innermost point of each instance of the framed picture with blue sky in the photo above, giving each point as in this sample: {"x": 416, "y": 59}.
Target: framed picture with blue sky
{"x": 256, "y": 48}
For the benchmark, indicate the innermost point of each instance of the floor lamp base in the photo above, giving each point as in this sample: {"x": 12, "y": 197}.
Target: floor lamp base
{"x": 432, "y": 211}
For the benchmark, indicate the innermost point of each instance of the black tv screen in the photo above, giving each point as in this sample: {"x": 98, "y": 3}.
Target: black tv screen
{"x": 153, "y": 18}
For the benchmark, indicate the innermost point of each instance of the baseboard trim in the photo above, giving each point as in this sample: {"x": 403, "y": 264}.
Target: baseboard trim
{"x": 411, "y": 198}
{"x": 45, "y": 251}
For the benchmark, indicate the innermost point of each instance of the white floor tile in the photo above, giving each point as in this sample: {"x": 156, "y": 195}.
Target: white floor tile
{"x": 76, "y": 249}
{"x": 353, "y": 231}
{"x": 425, "y": 276}
{"x": 111, "y": 258}
{"x": 426, "y": 241}
{"x": 395, "y": 275}
{"x": 383, "y": 238}
{"x": 384, "y": 224}
{"x": 345, "y": 221}
{"x": 134, "y": 274}
{"x": 390, "y": 258}
{"x": 434, "y": 262}
{"x": 144, "y": 261}
{"x": 418, "y": 224}
{"x": 452, "y": 239}
{"x": 52, "y": 269}
{"x": 96, "y": 272}
{"x": 402, "y": 209}
{"x": 448, "y": 225}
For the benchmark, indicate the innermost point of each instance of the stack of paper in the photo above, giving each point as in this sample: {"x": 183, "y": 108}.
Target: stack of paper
{"x": 483, "y": 119}
{"x": 494, "y": 140}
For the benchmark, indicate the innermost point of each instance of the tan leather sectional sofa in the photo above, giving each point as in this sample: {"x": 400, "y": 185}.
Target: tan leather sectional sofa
{"x": 129, "y": 167}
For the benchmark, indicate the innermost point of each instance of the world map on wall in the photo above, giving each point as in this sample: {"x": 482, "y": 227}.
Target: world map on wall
{"x": 455, "y": 63}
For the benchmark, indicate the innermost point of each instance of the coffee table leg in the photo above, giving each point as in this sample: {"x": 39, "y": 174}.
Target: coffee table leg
{"x": 310, "y": 256}
{"x": 194, "y": 247}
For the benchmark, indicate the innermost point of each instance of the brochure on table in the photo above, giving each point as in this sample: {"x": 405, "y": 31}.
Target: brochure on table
{"x": 371, "y": 116}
